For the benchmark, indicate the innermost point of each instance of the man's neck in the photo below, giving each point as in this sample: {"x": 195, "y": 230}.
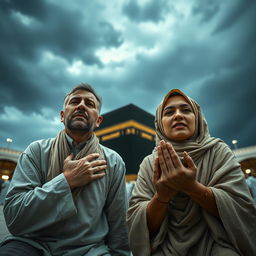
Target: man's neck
{"x": 79, "y": 136}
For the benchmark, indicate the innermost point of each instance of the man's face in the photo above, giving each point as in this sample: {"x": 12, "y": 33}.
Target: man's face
{"x": 81, "y": 112}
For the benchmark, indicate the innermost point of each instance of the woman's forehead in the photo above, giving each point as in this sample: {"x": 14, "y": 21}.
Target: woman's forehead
{"x": 176, "y": 100}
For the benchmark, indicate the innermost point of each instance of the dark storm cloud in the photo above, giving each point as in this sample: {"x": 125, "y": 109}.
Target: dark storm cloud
{"x": 132, "y": 53}
{"x": 50, "y": 28}
{"x": 229, "y": 105}
{"x": 24, "y": 129}
{"x": 234, "y": 14}
{"x": 150, "y": 11}
{"x": 228, "y": 93}
{"x": 207, "y": 9}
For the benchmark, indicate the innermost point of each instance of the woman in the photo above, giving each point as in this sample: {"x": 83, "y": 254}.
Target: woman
{"x": 190, "y": 197}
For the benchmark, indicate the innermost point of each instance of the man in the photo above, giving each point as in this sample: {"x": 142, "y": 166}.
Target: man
{"x": 67, "y": 196}
{"x": 251, "y": 182}
{"x": 1, "y": 182}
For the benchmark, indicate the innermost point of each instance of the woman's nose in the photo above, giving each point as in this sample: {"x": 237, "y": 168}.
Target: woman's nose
{"x": 178, "y": 114}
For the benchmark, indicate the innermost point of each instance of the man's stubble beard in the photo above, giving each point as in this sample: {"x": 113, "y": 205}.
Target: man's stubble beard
{"x": 72, "y": 126}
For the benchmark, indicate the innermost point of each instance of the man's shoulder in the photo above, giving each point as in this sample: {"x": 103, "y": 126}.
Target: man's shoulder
{"x": 251, "y": 180}
{"x": 39, "y": 145}
{"x": 110, "y": 153}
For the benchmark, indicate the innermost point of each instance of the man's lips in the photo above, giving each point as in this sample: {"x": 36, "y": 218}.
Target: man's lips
{"x": 81, "y": 115}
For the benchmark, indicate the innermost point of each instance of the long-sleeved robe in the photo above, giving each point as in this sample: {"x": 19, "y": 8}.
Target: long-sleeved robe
{"x": 188, "y": 229}
{"x": 46, "y": 215}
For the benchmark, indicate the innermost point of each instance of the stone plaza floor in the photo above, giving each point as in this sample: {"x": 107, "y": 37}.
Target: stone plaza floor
{"x": 3, "y": 229}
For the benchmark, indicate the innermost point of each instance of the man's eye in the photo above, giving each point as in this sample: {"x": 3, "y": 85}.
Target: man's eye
{"x": 74, "y": 101}
{"x": 91, "y": 104}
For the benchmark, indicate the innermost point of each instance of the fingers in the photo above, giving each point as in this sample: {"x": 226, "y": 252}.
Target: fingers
{"x": 174, "y": 156}
{"x": 97, "y": 168}
{"x": 162, "y": 162}
{"x": 98, "y": 163}
{"x": 189, "y": 161}
{"x": 165, "y": 157}
{"x": 156, "y": 171}
{"x": 97, "y": 176}
{"x": 69, "y": 157}
{"x": 91, "y": 157}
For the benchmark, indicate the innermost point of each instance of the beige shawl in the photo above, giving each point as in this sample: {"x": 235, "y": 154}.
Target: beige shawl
{"x": 188, "y": 229}
{"x": 60, "y": 150}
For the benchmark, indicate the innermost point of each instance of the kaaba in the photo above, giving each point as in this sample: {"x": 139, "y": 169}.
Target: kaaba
{"x": 129, "y": 131}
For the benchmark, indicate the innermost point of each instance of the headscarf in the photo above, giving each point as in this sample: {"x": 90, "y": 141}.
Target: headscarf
{"x": 200, "y": 142}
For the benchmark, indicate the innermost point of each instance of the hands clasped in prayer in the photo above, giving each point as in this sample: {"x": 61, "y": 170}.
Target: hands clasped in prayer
{"x": 82, "y": 171}
{"x": 170, "y": 174}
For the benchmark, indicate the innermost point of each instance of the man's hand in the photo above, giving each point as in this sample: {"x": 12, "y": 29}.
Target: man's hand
{"x": 82, "y": 171}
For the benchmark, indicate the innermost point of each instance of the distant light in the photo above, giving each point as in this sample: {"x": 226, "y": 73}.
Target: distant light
{"x": 9, "y": 140}
{"x": 5, "y": 177}
{"x": 234, "y": 142}
{"x": 248, "y": 171}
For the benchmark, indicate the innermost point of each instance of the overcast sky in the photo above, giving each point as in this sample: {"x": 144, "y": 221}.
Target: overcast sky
{"x": 131, "y": 52}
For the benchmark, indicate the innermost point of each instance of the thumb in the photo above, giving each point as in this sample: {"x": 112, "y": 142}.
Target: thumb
{"x": 189, "y": 161}
{"x": 69, "y": 157}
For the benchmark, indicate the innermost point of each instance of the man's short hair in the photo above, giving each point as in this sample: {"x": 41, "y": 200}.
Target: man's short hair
{"x": 85, "y": 87}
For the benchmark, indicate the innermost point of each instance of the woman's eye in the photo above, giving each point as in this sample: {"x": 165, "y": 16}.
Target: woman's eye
{"x": 186, "y": 110}
{"x": 168, "y": 113}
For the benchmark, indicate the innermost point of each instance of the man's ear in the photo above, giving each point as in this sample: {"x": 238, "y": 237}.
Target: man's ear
{"x": 98, "y": 121}
{"x": 62, "y": 116}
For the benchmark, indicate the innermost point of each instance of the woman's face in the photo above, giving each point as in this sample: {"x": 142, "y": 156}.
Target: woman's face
{"x": 178, "y": 119}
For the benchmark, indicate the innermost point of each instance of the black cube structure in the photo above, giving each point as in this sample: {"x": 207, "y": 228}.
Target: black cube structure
{"x": 128, "y": 130}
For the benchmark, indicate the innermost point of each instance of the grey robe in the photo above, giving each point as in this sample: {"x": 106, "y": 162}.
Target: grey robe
{"x": 45, "y": 214}
{"x": 190, "y": 230}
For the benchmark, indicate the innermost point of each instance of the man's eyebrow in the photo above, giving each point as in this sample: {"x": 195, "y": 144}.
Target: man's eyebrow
{"x": 74, "y": 97}
{"x": 79, "y": 97}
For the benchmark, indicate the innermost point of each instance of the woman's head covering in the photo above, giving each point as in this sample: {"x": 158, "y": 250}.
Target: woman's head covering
{"x": 199, "y": 142}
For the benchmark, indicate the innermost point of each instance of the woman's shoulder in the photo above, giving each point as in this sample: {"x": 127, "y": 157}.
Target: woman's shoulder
{"x": 222, "y": 147}
{"x": 148, "y": 160}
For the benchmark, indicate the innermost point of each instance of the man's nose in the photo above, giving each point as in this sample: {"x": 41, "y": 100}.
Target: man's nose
{"x": 81, "y": 105}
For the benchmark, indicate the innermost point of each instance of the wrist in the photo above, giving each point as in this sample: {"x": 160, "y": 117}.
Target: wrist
{"x": 161, "y": 200}
{"x": 196, "y": 189}
{"x": 69, "y": 180}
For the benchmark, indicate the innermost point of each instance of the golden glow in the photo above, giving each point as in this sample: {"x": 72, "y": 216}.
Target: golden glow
{"x": 146, "y": 136}
{"x": 5, "y": 177}
{"x": 110, "y": 136}
{"x": 124, "y": 125}
{"x": 131, "y": 177}
{"x": 130, "y": 131}
{"x": 247, "y": 171}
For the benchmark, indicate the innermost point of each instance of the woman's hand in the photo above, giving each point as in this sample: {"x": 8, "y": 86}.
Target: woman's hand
{"x": 182, "y": 177}
{"x": 163, "y": 192}
{"x": 174, "y": 174}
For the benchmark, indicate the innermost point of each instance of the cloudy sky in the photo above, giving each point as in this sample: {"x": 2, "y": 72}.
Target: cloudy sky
{"x": 131, "y": 52}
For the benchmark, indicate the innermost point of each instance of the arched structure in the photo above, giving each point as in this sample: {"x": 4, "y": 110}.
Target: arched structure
{"x": 247, "y": 159}
{"x": 8, "y": 161}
